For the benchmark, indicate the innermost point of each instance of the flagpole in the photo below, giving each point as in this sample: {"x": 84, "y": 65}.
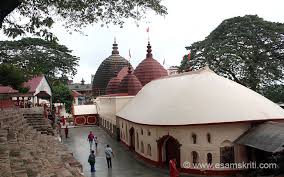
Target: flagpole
{"x": 148, "y": 37}
{"x": 129, "y": 55}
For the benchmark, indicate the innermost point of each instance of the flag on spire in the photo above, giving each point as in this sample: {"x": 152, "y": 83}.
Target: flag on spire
{"x": 147, "y": 30}
{"x": 129, "y": 54}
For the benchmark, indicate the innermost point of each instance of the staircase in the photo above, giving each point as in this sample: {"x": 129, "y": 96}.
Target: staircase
{"x": 38, "y": 122}
{"x": 28, "y": 150}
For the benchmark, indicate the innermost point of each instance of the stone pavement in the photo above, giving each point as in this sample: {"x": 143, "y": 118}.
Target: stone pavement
{"x": 124, "y": 164}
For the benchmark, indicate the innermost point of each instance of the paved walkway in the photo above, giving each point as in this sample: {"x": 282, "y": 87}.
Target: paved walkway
{"x": 124, "y": 164}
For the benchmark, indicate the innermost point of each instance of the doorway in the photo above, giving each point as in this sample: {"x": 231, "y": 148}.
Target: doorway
{"x": 132, "y": 138}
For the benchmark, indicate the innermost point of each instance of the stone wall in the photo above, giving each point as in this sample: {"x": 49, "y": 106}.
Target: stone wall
{"x": 26, "y": 152}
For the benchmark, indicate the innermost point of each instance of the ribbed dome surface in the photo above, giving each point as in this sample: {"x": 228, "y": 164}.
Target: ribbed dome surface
{"x": 149, "y": 69}
{"x": 113, "y": 86}
{"x": 130, "y": 84}
{"x": 123, "y": 72}
{"x": 111, "y": 65}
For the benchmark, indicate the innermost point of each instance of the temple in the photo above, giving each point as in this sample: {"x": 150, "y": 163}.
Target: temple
{"x": 107, "y": 70}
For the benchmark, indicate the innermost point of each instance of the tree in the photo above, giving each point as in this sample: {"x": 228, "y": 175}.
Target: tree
{"x": 35, "y": 56}
{"x": 274, "y": 92}
{"x": 13, "y": 77}
{"x": 62, "y": 94}
{"x": 38, "y": 16}
{"x": 248, "y": 50}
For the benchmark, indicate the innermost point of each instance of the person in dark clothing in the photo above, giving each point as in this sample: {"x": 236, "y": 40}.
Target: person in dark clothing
{"x": 92, "y": 161}
{"x": 66, "y": 131}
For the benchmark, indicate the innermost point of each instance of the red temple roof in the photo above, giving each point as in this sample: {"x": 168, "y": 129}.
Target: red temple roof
{"x": 149, "y": 69}
{"x": 130, "y": 84}
{"x": 32, "y": 84}
{"x": 113, "y": 85}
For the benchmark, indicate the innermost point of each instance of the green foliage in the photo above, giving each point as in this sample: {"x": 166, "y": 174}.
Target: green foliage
{"x": 274, "y": 92}
{"x": 245, "y": 49}
{"x": 35, "y": 56}
{"x": 13, "y": 77}
{"x": 62, "y": 94}
{"x": 38, "y": 16}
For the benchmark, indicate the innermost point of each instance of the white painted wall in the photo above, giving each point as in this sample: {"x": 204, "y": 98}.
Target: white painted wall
{"x": 43, "y": 86}
{"x": 108, "y": 107}
{"x": 219, "y": 133}
{"x": 85, "y": 109}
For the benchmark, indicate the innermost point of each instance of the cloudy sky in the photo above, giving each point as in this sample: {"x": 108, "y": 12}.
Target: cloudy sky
{"x": 187, "y": 22}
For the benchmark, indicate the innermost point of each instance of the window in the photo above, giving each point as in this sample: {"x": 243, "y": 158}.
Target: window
{"x": 137, "y": 140}
{"x": 149, "y": 133}
{"x": 142, "y": 147}
{"x": 208, "y": 138}
{"x": 149, "y": 150}
{"x": 209, "y": 158}
{"x": 194, "y": 138}
{"x": 141, "y": 131}
{"x": 121, "y": 124}
{"x": 194, "y": 156}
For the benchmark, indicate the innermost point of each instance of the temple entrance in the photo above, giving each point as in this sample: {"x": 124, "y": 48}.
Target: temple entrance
{"x": 132, "y": 138}
{"x": 169, "y": 148}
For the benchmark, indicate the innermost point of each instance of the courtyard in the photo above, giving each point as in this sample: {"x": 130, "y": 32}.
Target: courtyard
{"x": 124, "y": 164}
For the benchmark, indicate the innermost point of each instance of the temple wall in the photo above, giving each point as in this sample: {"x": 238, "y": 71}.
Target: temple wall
{"x": 221, "y": 135}
{"x": 108, "y": 107}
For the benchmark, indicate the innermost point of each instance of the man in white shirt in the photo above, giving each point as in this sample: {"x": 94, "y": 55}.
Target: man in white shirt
{"x": 109, "y": 153}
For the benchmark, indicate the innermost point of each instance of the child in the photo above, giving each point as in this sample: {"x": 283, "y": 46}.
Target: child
{"x": 96, "y": 142}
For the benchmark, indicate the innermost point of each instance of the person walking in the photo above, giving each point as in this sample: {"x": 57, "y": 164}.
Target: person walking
{"x": 91, "y": 138}
{"x": 92, "y": 161}
{"x": 109, "y": 153}
{"x": 66, "y": 131}
{"x": 96, "y": 142}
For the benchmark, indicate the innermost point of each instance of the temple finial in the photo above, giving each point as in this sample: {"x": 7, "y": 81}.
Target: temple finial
{"x": 149, "y": 51}
{"x": 114, "y": 47}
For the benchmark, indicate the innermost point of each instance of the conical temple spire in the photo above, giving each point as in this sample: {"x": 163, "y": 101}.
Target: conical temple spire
{"x": 149, "y": 51}
{"x": 129, "y": 68}
{"x": 82, "y": 81}
{"x": 114, "y": 47}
